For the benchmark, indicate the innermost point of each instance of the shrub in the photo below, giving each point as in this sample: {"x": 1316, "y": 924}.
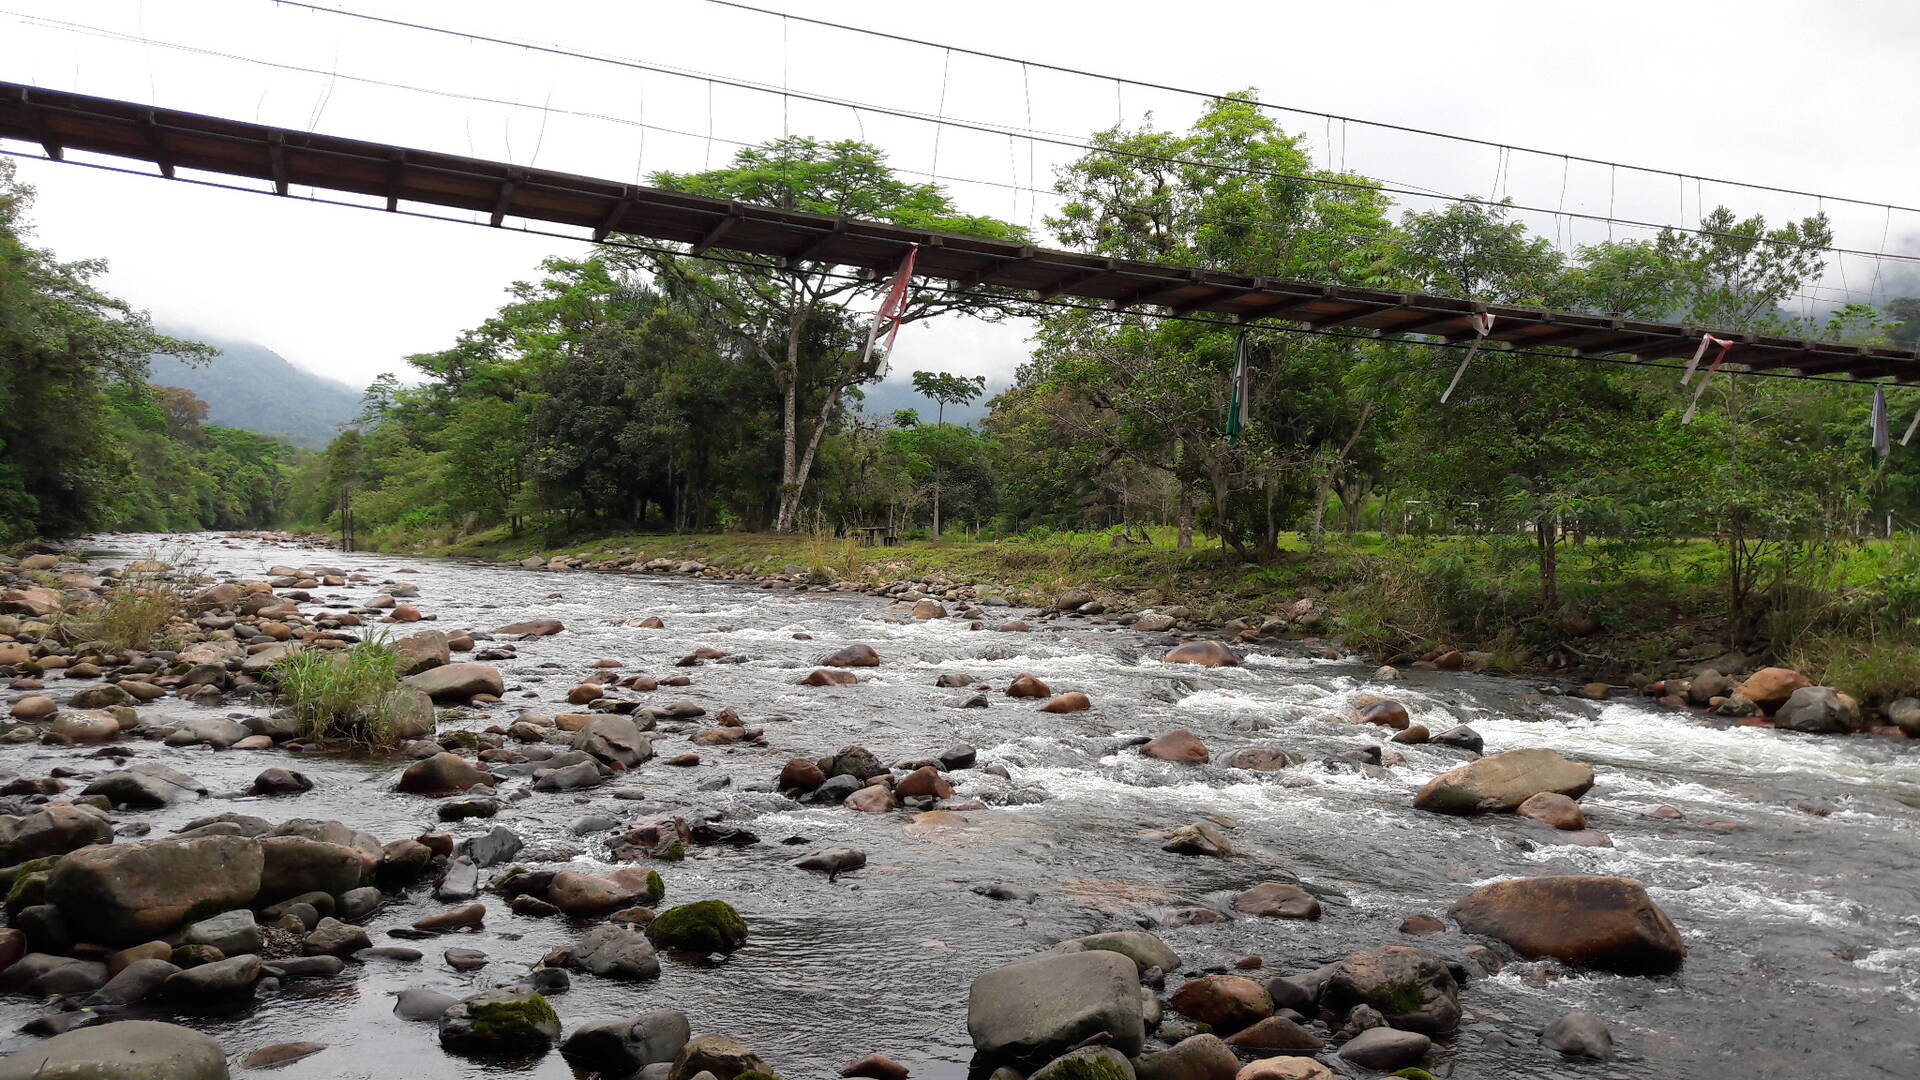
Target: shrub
{"x": 139, "y": 606}
{"x": 351, "y": 694}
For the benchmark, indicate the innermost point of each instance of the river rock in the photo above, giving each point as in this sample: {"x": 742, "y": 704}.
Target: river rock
{"x": 1770, "y": 687}
{"x": 294, "y": 865}
{"x": 1199, "y": 838}
{"x": 124, "y": 894}
{"x": 1460, "y": 738}
{"x": 530, "y": 628}
{"x": 875, "y": 1067}
{"x": 126, "y": 1050}
{"x": 1904, "y": 713}
{"x": 421, "y": 1004}
{"x": 458, "y": 682}
{"x": 614, "y": 739}
{"x": 801, "y": 774}
{"x": 623, "y": 1047}
{"x": 1609, "y": 923}
{"x": 1275, "y": 1033}
{"x": 615, "y": 952}
{"x": 1553, "y": 809}
{"x": 1028, "y": 686}
{"x": 442, "y": 773}
{"x": 575, "y": 777}
{"x": 420, "y": 651}
{"x": 54, "y": 829}
{"x": 924, "y": 782}
{"x": 1196, "y": 1057}
{"x": 1501, "y": 782}
{"x": 705, "y": 926}
{"x": 589, "y": 895}
{"x": 1412, "y": 988}
{"x": 233, "y": 933}
{"x": 1385, "y": 712}
{"x": 855, "y": 761}
{"x": 134, "y": 983}
{"x": 1385, "y": 1048}
{"x": 1579, "y": 1034}
{"x": 1144, "y": 949}
{"x": 222, "y": 979}
{"x": 1032, "y": 1010}
{"x": 277, "y": 1054}
{"x": 331, "y": 937}
{"x": 1278, "y": 900}
{"x": 500, "y": 1023}
{"x": 852, "y": 656}
{"x": 278, "y": 781}
{"x": 1226, "y": 1002}
{"x": 1819, "y": 710}
{"x": 1258, "y": 759}
{"x": 1207, "y": 653}
{"x": 1071, "y": 701}
{"x": 1088, "y": 1061}
{"x": 146, "y": 785}
{"x": 716, "y": 1056}
{"x": 42, "y": 974}
{"x": 1177, "y": 745}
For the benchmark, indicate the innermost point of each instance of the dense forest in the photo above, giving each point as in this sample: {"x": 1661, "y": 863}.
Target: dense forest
{"x": 85, "y": 441}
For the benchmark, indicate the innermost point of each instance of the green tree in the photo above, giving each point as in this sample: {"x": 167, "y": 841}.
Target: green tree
{"x": 795, "y": 315}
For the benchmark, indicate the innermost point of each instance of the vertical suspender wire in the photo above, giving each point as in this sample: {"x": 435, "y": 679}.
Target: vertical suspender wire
{"x": 709, "y": 164}
{"x": 1874, "y": 289}
{"x": 946, "y": 63}
{"x": 1613, "y": 176}
{"x": 1026, "y": 88}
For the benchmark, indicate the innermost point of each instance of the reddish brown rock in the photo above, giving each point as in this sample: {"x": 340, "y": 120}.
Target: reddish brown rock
{"x": 1013, "y": 626}
{"x": 1770, "y": 687}
{"x": 1383, "y": 711}
{"x": 829, "y": 677}
{"x": 853, "y": 656}
{"x": 1228, "y": 1003}
{"x": 801, "y": 774}
{"x": 1451, "y": 660}
{"x": 1258, "y": 759}
{"x": 875, "y": 1067}
{"x": 586, "y": 693}
{"x": 1422, "y": 924}
{"x": 1609, "y": 923}
{"x": 1071, "y": 701}
{"x": 1178, "y": 745}
{"x": 1499, "y": 783}
{"x": 1275, "y": 1033}
{"x": 531, "y": 628}
{"x": 1205, "y": 653}
{"x": 1553, "y": 809}
{"x": 923, "y": 782}
{"x": 1413, "y": 734}
{"x": 1028, "y": 686}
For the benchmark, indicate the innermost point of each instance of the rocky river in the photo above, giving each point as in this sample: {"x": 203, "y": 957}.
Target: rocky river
{"x": 1789, "y": 863}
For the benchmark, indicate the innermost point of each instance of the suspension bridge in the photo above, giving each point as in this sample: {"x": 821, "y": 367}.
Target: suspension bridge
{"x": 189, "y": 147}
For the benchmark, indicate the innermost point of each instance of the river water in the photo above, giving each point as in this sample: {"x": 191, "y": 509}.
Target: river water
{"x": 1792, "y": 875}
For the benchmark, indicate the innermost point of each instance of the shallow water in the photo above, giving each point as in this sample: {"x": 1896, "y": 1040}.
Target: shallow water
{"x": 1804, "y": 929}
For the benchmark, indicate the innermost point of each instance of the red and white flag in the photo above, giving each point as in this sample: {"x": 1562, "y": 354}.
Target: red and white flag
{"x": 1705, "y": 340}
{"x": 893, "y": 306}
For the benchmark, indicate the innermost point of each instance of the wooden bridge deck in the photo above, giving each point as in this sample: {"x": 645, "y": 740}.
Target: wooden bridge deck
{"x": 171, "y": 140}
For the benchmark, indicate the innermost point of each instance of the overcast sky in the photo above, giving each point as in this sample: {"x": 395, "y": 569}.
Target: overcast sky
{"x": 1816, "y": 96}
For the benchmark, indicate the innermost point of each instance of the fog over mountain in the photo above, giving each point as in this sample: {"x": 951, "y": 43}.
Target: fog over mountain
{"x": 251, "y": 387}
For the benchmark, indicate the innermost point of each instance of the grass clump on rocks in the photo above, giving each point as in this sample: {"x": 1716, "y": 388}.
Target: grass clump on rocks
{"x": 353, "y": 693}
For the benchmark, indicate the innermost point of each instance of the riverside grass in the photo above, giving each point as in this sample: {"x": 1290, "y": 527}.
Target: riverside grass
{"x": 352, "y": 693}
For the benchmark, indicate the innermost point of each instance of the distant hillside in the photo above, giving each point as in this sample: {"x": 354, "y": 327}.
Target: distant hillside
{"x": 251, "y": 387}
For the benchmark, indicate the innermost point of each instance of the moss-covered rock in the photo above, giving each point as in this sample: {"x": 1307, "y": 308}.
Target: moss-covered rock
{"x": 500, "y": 1022}
{"x": 1412, "y": 1073}
{"x": 1090, "y": 1063}
{"x": 656, "y": 889}
{"x": 702, "y": 926}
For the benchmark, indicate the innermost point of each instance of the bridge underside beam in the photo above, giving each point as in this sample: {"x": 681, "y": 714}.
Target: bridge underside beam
{"x": 61, "y": 123}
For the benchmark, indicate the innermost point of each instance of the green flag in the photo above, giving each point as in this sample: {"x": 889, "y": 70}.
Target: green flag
{"x": 1237, "y": 394}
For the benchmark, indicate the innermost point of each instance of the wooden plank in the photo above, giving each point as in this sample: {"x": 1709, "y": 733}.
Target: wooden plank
{"x": 735, "y": 215}
{"x": 614, "y": 215}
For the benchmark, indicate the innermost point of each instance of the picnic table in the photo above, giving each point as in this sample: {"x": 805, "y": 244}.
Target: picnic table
{"x": 877, "y": 535}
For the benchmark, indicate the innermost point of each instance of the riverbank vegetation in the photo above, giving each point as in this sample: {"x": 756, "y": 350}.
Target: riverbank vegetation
{"x": 1549, "y": 499}
{"x": 352, "y": 694}
{"x": 85, "y": 442}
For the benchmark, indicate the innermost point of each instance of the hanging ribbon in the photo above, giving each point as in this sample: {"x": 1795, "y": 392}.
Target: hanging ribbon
{"x": 1911, "y": 428}
{"x": 1881, "y": 444}
{"x": 1718, "y": 359}
{"x": 893, "y": 306}
{"x": 1482, "y": 323}
{"x": 1239, "y": 391}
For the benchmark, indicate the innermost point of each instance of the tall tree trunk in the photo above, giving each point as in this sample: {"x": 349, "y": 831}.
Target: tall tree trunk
{"x": 1185, "y": 515}
{"x": 1547, "y": 536}
{"x": 1321, "y": 494}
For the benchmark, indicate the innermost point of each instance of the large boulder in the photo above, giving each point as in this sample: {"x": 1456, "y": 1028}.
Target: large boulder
{"x": 1197, "y": 1057}
{"x": 1144, "y": 949}
{"x": 1770, "y": 687}
{"x": 442, "y": 773}
{"x": 716, "y": 1056}
{"x": 54, "y": 829}
{"x": 458, "y": 682}
{"x": 1820, "y": 710}
{"x": 295, "y": 865}
{"x": 1412, "y": 988}
{"x": 506, "y": 1022}
{"x": 421, "y": 651}
{"x": 1177, "y": 745}
{"x": 124, "y": 894}
{"x": 1033, "y": 1010}
{"x": 705, "y": 926}
{"x": 1608, "y": 923}
{"x": 1501, "y": 782}
{"x": 852, "y": 656}
{"x": 614, "y": 739}
{"x": 623, "y": 1047}
{"x": 531, "y": 628}
{"x": 127, "y": 1050}
{"x": 146, "y": 785}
